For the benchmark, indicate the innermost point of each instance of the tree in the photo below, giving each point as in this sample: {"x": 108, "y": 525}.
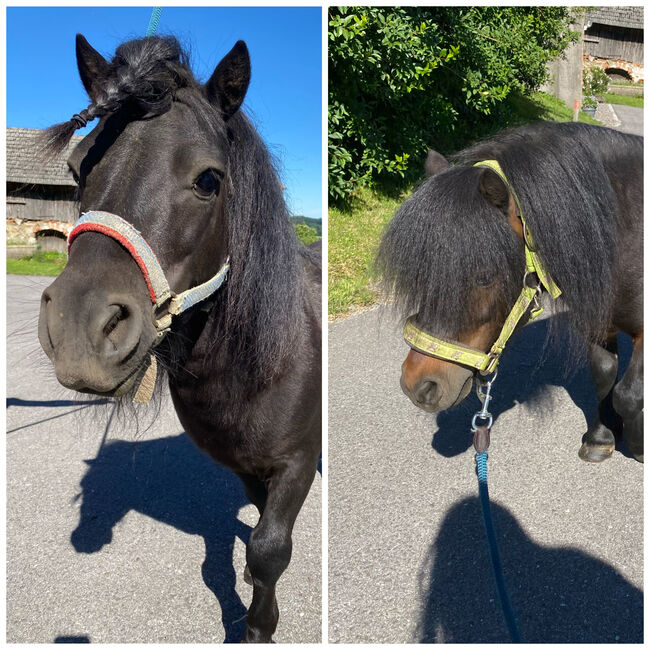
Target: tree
{"x": 402, "y": 78}
{"x": 306, "y": 234}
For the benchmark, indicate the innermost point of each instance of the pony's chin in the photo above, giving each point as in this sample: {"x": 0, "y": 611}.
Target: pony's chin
{"x": 122, "y": 387}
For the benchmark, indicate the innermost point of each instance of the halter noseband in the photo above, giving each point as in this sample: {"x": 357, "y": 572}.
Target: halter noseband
{"x": 486, "y": 362}
{"x": 166, "y": 303}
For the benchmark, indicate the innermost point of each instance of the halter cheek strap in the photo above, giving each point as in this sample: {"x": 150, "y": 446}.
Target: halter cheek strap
{"x": 486, "y": 362}
{"x": 166, "y": 303}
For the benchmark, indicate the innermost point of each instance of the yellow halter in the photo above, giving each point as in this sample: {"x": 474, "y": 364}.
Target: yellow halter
{"x": 486, "y": 362}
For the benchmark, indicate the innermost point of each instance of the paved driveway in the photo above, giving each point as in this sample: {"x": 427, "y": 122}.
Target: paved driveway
{"x": 407, "y": 554}
{"x": 133, "y": 540}
{"x": 631, "y": 118}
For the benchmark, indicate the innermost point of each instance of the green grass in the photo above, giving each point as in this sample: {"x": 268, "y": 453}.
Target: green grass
{"x": 625, "y": 82}
{"x": 626, "y": 100}
{"x": 353, "y": 236}
{"x": 39, "y": 263}
{"x": 354, "y": 233}
{"x": 540, "y": 106}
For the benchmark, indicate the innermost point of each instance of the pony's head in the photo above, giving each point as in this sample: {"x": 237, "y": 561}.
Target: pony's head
{"x": 160, "y": 158}
{"x": 453, "y": 259}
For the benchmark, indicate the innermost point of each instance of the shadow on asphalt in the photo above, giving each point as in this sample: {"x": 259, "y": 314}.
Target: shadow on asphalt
{"x": 170, "y": 480}
{"x": 16, "y": 401}
{"x": 560, "y": 595}
{"x": 526, "y": 370}
{"x": 72, "y": 639}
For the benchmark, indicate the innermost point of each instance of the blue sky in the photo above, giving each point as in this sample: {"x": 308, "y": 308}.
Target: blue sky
{"x": 284, "y": 98}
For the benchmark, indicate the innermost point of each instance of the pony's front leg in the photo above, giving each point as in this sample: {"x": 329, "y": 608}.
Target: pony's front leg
{"x": 269, "y": 546}
{"x": 628, "y": 400}
{"x": 598, "y": 443}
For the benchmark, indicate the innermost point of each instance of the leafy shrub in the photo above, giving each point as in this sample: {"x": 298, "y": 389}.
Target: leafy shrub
{"x": 594, "y": 81}
{"x": 403, "y": 79}
{"x": 306, "y": 234}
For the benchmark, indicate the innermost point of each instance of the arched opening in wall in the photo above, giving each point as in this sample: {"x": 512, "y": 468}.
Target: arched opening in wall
{"x": 616, "y": 75}
{"x": 51, "y": 240}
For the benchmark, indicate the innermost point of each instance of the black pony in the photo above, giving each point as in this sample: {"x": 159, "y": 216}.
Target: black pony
{"x": 454, "y": 256}
{"x": 182, "y": 164}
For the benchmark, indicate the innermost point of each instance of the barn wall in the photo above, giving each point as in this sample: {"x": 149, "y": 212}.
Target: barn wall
{"x": 608, "y": 42}
{"x": 41, "y": 203}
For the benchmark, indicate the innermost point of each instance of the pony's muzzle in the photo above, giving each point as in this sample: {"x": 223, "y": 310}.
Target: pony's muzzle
{"x": 92, "y": 338}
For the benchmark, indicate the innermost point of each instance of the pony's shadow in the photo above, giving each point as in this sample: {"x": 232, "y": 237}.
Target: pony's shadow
{"x": 170, "y": 480}
{"x": 529, "y": 365}
{"x": 560, "y": 595}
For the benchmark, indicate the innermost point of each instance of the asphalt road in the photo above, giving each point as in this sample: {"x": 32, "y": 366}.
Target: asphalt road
{"x": 407, "y": 553}
{"x": 136, "y": 541}
{"x": 631, "y": 118}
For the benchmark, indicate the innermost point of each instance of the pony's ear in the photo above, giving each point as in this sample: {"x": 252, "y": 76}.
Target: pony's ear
{"x": 228, "y": 84}
{"x": 494, "y": 190}
{"x": 93, "y": 67}
{"x": 435, "y": 163}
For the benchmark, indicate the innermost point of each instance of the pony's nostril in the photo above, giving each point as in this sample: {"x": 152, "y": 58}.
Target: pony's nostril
{"x": 427, "y": 392}
{"x": 120, "y": 313}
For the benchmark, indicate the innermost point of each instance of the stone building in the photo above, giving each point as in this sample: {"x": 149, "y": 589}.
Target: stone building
{"x": 41, "y": 195}
{"x": 613, "y": 40}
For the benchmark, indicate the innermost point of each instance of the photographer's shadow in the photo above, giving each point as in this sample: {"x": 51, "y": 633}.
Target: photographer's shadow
{"x": 527, "y": 368}
{"x": 560, "y": 595}
{"x": 170, "y": 480}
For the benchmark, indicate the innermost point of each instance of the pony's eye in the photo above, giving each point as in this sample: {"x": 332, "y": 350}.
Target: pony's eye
{"x": 207, "y": 184}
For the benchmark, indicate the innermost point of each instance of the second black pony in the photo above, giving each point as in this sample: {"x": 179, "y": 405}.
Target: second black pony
{"x": 454, "y": 258}
{"x": 177, "y": 164}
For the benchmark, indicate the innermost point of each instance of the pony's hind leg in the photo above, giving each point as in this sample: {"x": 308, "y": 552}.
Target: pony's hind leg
{"x": 628, "y": 400}
{"x": 269, "y": 546}
{"x": 598, "y": 443}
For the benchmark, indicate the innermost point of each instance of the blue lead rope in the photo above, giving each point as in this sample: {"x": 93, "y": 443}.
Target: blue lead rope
{"x": 153, "y": 21}
{"x": 497, "y": 567}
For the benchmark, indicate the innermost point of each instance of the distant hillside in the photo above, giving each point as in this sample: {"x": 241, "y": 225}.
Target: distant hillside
{"x": 316, "y": 224}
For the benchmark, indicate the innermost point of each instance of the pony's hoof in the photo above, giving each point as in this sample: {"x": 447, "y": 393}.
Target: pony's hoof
{"x": 248, "y": 578}
{"x": 595, "y": 453}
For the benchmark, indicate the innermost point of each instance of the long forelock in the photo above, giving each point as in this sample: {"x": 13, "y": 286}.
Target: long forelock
{"x": 440, "y": 240}
{"x": 149, "y": 72}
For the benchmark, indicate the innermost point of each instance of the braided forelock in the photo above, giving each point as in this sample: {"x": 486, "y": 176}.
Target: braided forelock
{"x": 146, "y": 72}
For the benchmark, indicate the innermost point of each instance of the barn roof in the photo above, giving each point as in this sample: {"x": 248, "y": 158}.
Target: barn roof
{"x": 25, "y": 164}
{"x": 630, "y": 17}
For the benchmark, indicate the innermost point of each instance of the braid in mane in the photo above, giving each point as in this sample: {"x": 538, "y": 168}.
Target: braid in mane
{"x": 144, "y": 75}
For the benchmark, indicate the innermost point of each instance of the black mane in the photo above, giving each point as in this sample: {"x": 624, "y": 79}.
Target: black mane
{"x": 143, "y": 77}
{"x": 566, "y": 177}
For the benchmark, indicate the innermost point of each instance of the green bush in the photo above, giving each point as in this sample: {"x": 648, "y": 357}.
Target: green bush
{"x": 594, "y": 81}
{"x": 403, "y": 79}
{"x": 306, "y": 234}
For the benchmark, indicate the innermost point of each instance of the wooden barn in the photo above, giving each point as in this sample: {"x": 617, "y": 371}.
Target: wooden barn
{"x": 41, "y": 205}
{"x": 613, "y": 40}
